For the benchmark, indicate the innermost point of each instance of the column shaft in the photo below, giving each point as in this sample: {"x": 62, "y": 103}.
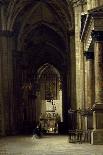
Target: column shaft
{"x": 97, "y": 134}
{"x": 2, "y": 122}
{"x": 89, "y": 88}
{"x": 90, "y": 83}
{"x": 89, "y": 79}
{"x": 7, "y": 80}
{"x": 98, "y": 72}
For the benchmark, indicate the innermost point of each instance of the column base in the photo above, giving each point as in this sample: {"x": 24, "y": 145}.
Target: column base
{"x": 97, "y": 137}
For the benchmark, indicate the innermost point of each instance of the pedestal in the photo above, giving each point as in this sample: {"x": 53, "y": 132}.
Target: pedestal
{"x": 97, "y": 133}
{"x": 97, "y": 137}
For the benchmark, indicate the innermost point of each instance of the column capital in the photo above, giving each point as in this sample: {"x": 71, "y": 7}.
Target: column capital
{"x": 97, "y": 35}
{"x": 89, "y": 55}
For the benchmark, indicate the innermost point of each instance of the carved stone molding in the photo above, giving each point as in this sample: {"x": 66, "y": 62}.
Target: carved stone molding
{"x": 97, "y": 35}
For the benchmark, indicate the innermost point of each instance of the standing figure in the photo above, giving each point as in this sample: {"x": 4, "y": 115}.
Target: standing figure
{"x": 37, "y": 130}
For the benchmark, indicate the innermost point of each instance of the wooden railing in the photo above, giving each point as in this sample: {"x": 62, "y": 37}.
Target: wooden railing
{"x": 79, "y": 136}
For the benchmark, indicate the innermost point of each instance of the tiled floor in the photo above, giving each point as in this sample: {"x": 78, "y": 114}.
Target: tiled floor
{"x": 47, "y": 145}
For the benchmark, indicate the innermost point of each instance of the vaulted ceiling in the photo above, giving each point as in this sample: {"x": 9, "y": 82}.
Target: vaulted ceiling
{"x": 43, "y": 29}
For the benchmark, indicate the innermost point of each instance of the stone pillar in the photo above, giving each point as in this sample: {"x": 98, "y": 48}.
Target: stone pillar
{"x": 90, "y": 88}
{"x": 2, "y": 122}
{"x": 97, "y": 134}
{"x": 10, "y": 50}
{"x": 2, "y": 112}
{"x": 90, "y": 79}
{"x": 6, "y": 40}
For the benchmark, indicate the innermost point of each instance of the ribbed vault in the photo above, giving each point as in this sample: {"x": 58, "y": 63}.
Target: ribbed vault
{"x": 42, "y": 30}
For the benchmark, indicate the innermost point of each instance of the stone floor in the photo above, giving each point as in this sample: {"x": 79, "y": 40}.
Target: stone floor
{"x": 47, "y": 145}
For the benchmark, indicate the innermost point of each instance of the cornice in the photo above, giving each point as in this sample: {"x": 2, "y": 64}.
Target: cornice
{"x": 90, "y": 24}
{"x": 92, "y": 14}
{"x": 85, "y": 27}
{"x": 96, "y": 11}
{"x": 86, "y": 32}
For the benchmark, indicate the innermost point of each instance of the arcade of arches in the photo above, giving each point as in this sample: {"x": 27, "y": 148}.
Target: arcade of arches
{"x": 51, "y": 66}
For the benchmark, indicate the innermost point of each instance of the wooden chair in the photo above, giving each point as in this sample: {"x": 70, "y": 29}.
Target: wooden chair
{"x": 72, "y": 136}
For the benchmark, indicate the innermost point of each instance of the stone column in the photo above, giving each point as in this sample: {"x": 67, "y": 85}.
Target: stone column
{"x": 6, "y": 72}
{"x": 2, "y": 113}
{"x": 6, "y": 39}
{"x": 97, "y": 134}
{"x": 2, "y": 122}
{"x": 11, "y": 48}
{"x": 89, "y": 88}
{"x": 90, "y": 79}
